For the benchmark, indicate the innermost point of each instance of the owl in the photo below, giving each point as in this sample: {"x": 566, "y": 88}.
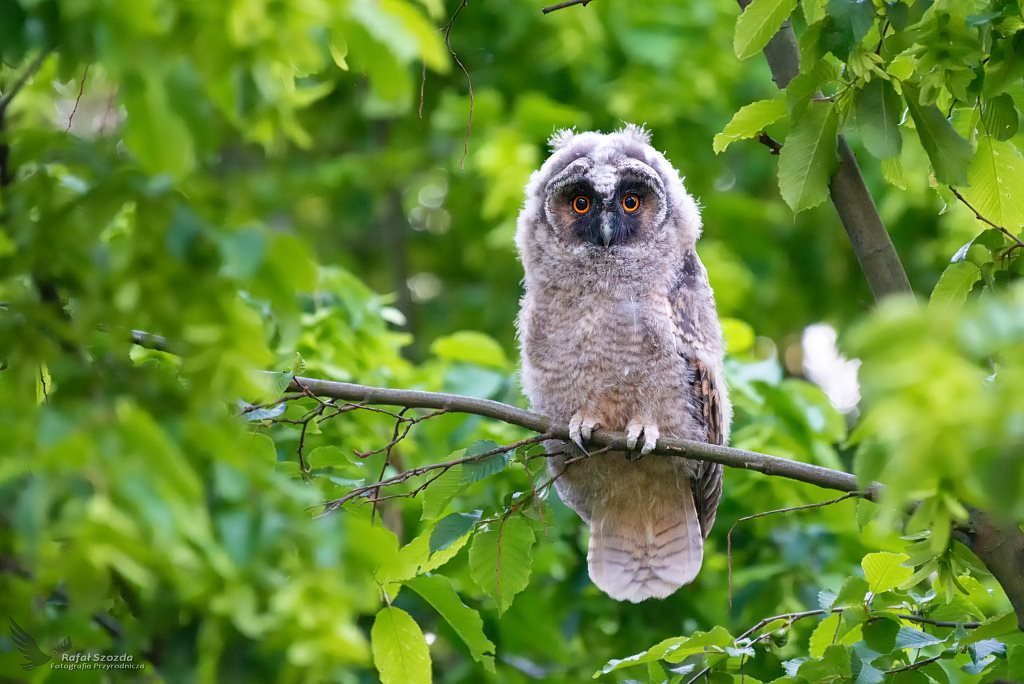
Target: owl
{"x": 618, "y": 330}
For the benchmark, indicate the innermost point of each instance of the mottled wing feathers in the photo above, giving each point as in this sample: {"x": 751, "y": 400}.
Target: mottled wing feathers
{"x": 707, "y": 488}
{"x": 688, "y": 310}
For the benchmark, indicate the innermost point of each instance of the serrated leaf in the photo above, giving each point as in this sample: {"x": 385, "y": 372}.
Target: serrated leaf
{"x": 884, "y": 571}
{"x": 823, "y": 635}
{"x": 500, "y": 559}
{"x": 949, "y": 153}
{"x": 400, "y": 652}
{"x": 908, "y": 637}
{"x": 758, "y": 23}
{"x": 879, "y": 109}
{"x": 892, "y": 171}
{"x": 437, "y": 590}
{"x": 852, "y": 592}
{"x": 809, "y": 158}
{"x": 441, "y": 491}
{"x": 474, "y": 471}
{"x": 955, "y": 284}
{"x": 749, "y": 121}
{"x": 834, "y": 663}
{"x": 451, "y": 528}
{"x": 995, "y": 180}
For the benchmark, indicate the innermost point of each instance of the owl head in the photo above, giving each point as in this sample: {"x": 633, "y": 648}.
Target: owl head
{"x": 602, "y": 195}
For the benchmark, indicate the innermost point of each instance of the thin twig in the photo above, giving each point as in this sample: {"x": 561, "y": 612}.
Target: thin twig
{"x": 562, "y": 5}
{"x": 762, "y": 514}
{"x": 30, "y": 70}
{"x": 81, "y": 89}
{"x": 914, "y": 665}
{"x": 422, "y": 470}
{"x": 469, "y": 81}
{"x": 768, "y": 141}
{"x": 983, "y": 219}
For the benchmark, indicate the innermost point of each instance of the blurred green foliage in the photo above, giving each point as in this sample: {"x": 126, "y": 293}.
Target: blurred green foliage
{"x": 310, "y": 187}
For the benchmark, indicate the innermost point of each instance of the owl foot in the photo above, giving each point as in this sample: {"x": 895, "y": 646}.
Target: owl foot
{"x": 581, "y": 427}
{"x": 644, "y": 435}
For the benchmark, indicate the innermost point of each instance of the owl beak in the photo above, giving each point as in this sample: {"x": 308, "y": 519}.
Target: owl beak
{"x": 606, "y": 229}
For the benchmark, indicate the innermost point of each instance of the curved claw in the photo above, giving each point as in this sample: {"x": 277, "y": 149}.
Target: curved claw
{"x": 581, "y": 427}
{"x": 644, "y": 435}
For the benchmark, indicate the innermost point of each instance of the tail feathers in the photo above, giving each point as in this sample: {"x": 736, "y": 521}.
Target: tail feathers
{"x": 636, "y": 554}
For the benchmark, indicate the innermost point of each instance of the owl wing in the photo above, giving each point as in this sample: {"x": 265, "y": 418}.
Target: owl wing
{"x": 707, "y": 487}
{"x": 692, "y": 307}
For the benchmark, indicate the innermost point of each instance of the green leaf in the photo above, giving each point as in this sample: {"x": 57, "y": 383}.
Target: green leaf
{"x": 451, "y": 528}
{"x": 848, "y": 22}
{"x": 880, "y": 635}
{"x": 852, "y": 592}
{"x": 472, "y": 347}
{"x": 809, "y": 158}
{"x": 908, "y": 637}
{"x": 500, "y": 559}
{"x": 400, "y": 652}
{"x": 1000, "y": 117}
{"x": 474, "y": 471}
{"x": 955, "y": 284}
{"x": 949, "y": 153}
{"x": 758, "y": 23}
{"x": 892, "y": 171}
{"x": 441, "y": 491}
{"x": 995, "y": 180}
{"x": 834, "y": 663}
{"x": 437, "y": 590}
{"x": 674, "y": 649}
{"x": 993, "y": 627}
{"x": 879, "y": 108}
{"x": 749, "y": 121}
{"x": 884, "y": 571}
{"x": 823, "y": 635}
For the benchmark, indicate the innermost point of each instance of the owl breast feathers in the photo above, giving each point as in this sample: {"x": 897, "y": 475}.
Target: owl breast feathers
{"x": 618, "y": 330}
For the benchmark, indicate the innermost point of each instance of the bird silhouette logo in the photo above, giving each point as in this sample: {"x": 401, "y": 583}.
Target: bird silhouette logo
{"x": 31, "y": 653}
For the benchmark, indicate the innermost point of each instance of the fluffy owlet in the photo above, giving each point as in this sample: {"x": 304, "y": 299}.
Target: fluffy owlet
{"x": 618, "y": 330}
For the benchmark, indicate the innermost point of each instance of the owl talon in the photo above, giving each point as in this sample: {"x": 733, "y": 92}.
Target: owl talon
{"x": 581, "y": 428}
{"x": 644, "y": 436}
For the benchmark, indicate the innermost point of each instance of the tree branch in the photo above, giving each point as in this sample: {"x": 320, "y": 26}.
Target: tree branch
{"x": 667, "y": 446}
{"x": 562, "y": 5}
{"x": 853, "y": 202}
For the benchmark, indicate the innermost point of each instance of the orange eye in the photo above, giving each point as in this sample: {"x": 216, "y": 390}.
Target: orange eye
{"x": 581, "y": 205}
{"x": 630, "y": 203}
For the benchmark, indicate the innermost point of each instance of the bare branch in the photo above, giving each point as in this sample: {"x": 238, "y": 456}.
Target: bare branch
{"x": 667, "y": 446}
{"x": 562, "y": 5}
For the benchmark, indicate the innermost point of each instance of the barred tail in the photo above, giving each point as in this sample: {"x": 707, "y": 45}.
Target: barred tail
{"x": 644, "y": 552}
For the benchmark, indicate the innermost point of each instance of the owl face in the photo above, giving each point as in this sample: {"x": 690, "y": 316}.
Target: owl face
{"x": 606, "y": 200}
{"x": 605, "y": 195}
